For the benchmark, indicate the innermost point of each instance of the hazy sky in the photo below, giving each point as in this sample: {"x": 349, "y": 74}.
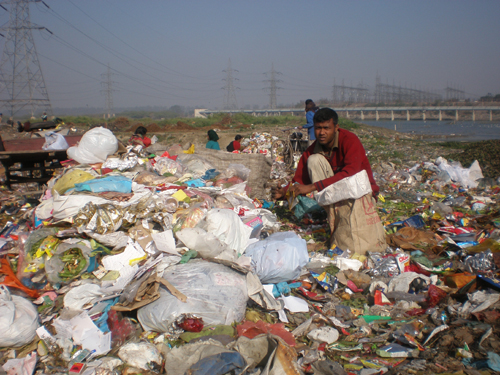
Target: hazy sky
{"x": 174, "y": 52}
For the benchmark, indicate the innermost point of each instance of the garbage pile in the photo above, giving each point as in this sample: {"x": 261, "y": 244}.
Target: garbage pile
{"x": 134, "y": 263}
{"x": 258, "y": 143}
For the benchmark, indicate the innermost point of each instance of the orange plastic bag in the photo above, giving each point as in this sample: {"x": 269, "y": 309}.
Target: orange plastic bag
{"x": 12, "y": 281}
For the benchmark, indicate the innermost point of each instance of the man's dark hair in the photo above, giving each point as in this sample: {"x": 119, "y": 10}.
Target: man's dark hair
{"x": 141, "y": 130}
{"x": 325, "y": 114}
{"x": 238, "y": 137}
{"x": 309, "y": 101}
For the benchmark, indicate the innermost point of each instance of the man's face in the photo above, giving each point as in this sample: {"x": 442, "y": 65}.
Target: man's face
{"x": 325, "y": 132}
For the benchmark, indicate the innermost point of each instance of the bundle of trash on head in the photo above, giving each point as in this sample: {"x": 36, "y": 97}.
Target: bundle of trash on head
{"x": 170, "y": 260}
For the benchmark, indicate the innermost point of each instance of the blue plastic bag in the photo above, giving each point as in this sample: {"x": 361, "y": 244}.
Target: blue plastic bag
{"x": 119, "y": 184}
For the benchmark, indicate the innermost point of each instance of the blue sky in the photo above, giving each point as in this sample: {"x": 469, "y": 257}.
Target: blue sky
{"x": 165, "y": 53}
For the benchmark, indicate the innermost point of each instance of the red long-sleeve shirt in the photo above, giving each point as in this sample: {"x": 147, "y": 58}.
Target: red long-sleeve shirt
{"x": 347, "y": 158}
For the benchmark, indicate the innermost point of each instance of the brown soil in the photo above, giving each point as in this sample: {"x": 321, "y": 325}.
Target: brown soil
{"x": 121, "y": 123}
{"x": 134, "y": 127}
{"x": 154, "y": 128}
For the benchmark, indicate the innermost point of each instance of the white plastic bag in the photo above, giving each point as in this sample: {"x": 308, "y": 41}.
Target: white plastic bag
{"x": 352, "y": 187}
{"x": 55, "y": 141}
{"x": 214, "y": 292}
{"x": 18, "y": 320}
{"x": 238, "y": 170}
{"x": 141, "y": 355}
{"x": 278, "y": 258}
{"x": 467, "y": 177}
{"x": 206, "y": 244}
{"x": 94, "y": 147}
{"x": 227, "y": 226}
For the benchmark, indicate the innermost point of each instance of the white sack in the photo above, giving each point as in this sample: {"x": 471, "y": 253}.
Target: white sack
{"x": 18, "y": 320}
{"x": 214, "y": 292}
{"x": 280, "y": 257}
{"x": 353, "y": 187}
{"x": 55, "y": 141}
{"x": 94, "y": 147}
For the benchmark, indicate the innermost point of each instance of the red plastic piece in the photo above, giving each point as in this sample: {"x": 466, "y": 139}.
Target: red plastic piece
{"x": 251, "y": 329}
{"x": 191, "y": 324}
{"x": 435, "y": 295}
{"x": 120, "y": 329}
{"x": 416, "y": 312}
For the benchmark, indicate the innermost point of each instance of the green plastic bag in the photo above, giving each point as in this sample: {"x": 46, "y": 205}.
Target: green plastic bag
{"x": 305, "y": 205}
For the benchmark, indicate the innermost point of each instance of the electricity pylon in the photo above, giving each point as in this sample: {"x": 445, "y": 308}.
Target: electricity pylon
{"x": 22, "y": 87}
{"x": 273, "y": 88}
{"x": 107, "y": 90}
{"x": 230, "y": 95}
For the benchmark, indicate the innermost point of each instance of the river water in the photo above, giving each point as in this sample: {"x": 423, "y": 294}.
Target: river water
{"x": 444, "y": 130}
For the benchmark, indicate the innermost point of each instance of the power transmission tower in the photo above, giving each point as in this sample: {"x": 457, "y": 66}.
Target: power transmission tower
{"x": 22, "y": 86}
{"x": 273, "y": 88}
{"x": 107, "y": 90}
{"x": 230, "y": 96}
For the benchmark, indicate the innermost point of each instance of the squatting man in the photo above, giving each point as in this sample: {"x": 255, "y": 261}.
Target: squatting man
{"x": 338, "y": 154}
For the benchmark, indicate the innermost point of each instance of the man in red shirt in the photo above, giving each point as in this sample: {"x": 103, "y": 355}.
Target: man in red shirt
{"x": 337, "y": 154}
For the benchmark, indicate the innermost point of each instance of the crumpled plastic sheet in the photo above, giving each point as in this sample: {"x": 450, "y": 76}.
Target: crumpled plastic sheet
{"x": 128, "y": 162}
{"x": 480, "y": 263}
{"x": 166, "y": 165}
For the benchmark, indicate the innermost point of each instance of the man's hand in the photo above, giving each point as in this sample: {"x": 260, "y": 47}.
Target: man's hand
{"x": 299, "y": 189}
{"x": 277, "y": 193}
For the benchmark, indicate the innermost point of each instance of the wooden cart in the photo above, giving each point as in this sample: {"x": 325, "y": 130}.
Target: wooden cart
{"x": 25, "y": 161}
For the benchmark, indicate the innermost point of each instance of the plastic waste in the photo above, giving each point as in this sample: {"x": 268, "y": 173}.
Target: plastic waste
{"x": 120, "y": 184}
{"x": 214, "y": 292}
{"x": 218, "y": 364}
{"x": 353, "y": 187}
{"x": 67, "y": 262}
{"x": 238, "y": 170}
{"x": 305, "y": 205}
{"x": 253, "y": 329}
{"x": 94, "y": 147}
{"x": 228, "y": 228}
{"x": 69, "y": 179}
{"x": 279, "y": 257}
{"x": 142, "y": 355}
{"x": 54, "y": 141}
{"x": 324, "y": 334}
{"x": 18, "y": 320}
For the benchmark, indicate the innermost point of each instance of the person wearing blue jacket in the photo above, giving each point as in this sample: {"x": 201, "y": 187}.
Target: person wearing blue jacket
{"x": 311, "y": 109}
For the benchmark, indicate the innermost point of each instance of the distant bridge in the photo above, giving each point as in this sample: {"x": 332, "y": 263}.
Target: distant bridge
{"x": 409, "y": 113}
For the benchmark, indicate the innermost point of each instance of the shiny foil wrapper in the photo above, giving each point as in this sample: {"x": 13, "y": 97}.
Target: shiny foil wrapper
{"x": 385, "y": 267}
{"x": 101, "y": 219}
{"x": 482, "y": 262}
